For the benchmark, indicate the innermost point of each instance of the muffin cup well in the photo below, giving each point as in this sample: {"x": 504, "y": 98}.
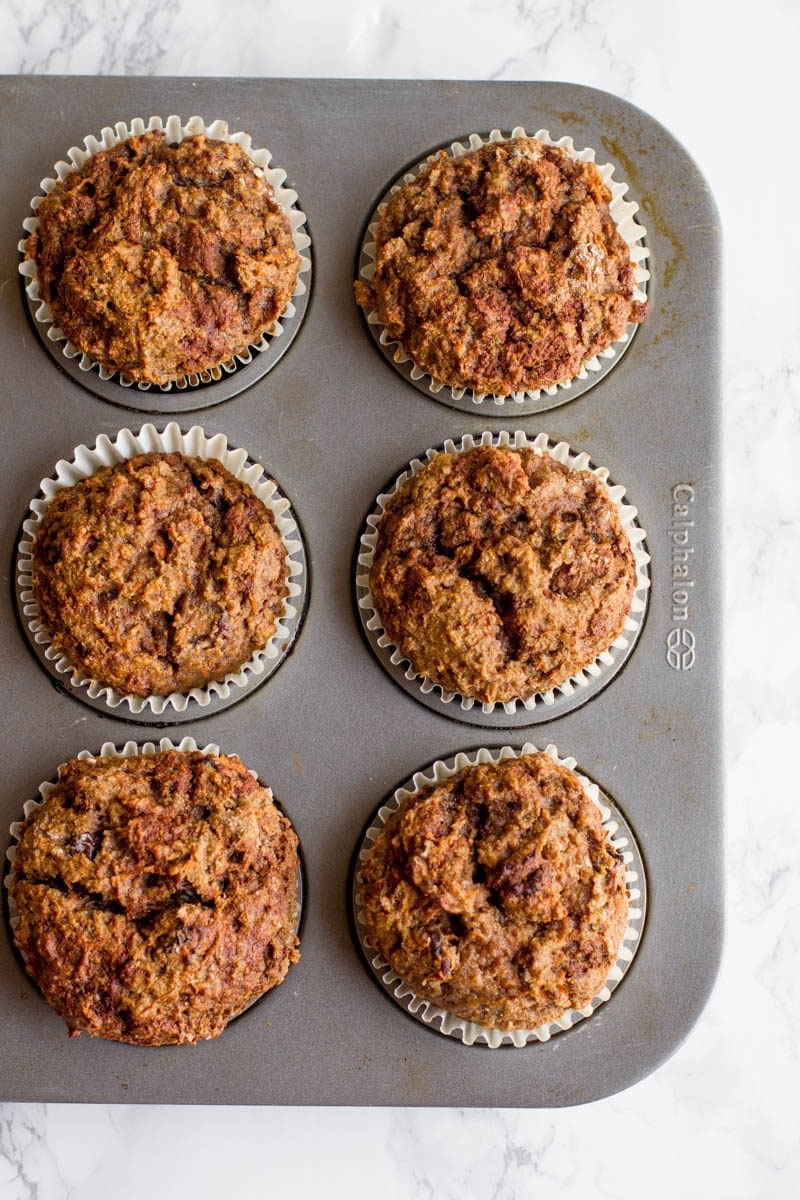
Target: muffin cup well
{"x": 620, "y": 837}
{"x": 218, "y": 693}
{"x": 269, "y": 344}
{"x": 522, "y": 711}
{"x": 623, "y": 213}
{"x": 133, "y": 750}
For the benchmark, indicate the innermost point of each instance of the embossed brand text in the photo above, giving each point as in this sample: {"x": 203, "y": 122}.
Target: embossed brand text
{"x": 680, "y": 639}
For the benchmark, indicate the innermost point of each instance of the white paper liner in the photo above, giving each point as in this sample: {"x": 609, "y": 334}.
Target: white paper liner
{"x": 470, "y": 1032}
{"x": 129, "y": 750}
{"x": 562, "y": 453}
{"x": 175, "y": 131}
{"x": 196, "y": 444}
{"x": 623, "y": 213}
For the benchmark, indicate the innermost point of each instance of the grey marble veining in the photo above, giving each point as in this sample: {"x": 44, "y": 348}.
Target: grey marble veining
{"x": 720, "y": 1119}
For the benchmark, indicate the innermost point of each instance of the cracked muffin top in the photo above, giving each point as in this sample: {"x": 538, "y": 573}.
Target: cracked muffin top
{"x": 159, "y": 574}
{"x": 496, "y": 895}
{"x": 157, "y": 896}
{"x": 502, "y": 269}
{"x": 162, "y": 260}
{"x": 500, "y": 573}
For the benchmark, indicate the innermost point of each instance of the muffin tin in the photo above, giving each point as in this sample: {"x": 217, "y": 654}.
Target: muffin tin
{"x": 331, "y": 733}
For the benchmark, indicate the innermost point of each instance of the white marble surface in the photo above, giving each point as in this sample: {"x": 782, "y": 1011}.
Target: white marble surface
{"x": 721, "y": 1119}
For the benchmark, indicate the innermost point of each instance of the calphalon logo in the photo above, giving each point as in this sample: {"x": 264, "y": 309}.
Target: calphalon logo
{"x": 681, "y": 648}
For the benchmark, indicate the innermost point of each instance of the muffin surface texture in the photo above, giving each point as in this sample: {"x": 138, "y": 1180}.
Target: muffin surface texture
{"x": 161, "y": 261}
{"x": 502, "y": 270}
{"x": 499, "y": 573}
{"x": 156, "y": 895}
{"x": 496, "y": 895}
{"x": 159, "y": 574}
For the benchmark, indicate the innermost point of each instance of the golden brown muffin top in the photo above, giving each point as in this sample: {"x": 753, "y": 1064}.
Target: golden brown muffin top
{"x": 500, "y": 573}
{"x": 163, "y": 260}
{"x": 157, "y": 895}
{"x": 502, "y": 269}
{"x": 496, "y": 895}
{"x": 159, "y": 574}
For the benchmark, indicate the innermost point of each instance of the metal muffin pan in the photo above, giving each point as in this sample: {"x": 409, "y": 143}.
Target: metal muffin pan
{"x": 331, "y": 733}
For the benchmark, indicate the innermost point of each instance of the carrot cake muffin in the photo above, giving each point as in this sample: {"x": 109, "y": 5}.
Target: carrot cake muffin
{"x": 502, "y": 269}
{"x": 157, "y": 896}
{"x": 496, "y": 895}
{"x": 162, "y": 260}
{"x": 500, "y": 573}
{"x": 159, "y": 574}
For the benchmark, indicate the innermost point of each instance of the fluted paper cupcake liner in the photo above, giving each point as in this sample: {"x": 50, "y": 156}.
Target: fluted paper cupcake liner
{"x": 175, "y": 131}
{"x": 195, "y": 444}
{"x": 623, "y": 213}
{"x": 619, "y": 836}
{"x": 389, "y": 653}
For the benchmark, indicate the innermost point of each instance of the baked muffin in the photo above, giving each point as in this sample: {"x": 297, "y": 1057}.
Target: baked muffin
{"x": 159, "y": 574}
{"x": 160, "y": 260}
{"x": 502, "y": 270}
{"x": 157, "y": 896}
{"x": 499, "y": 573}
{"x": 496, "y": 894}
